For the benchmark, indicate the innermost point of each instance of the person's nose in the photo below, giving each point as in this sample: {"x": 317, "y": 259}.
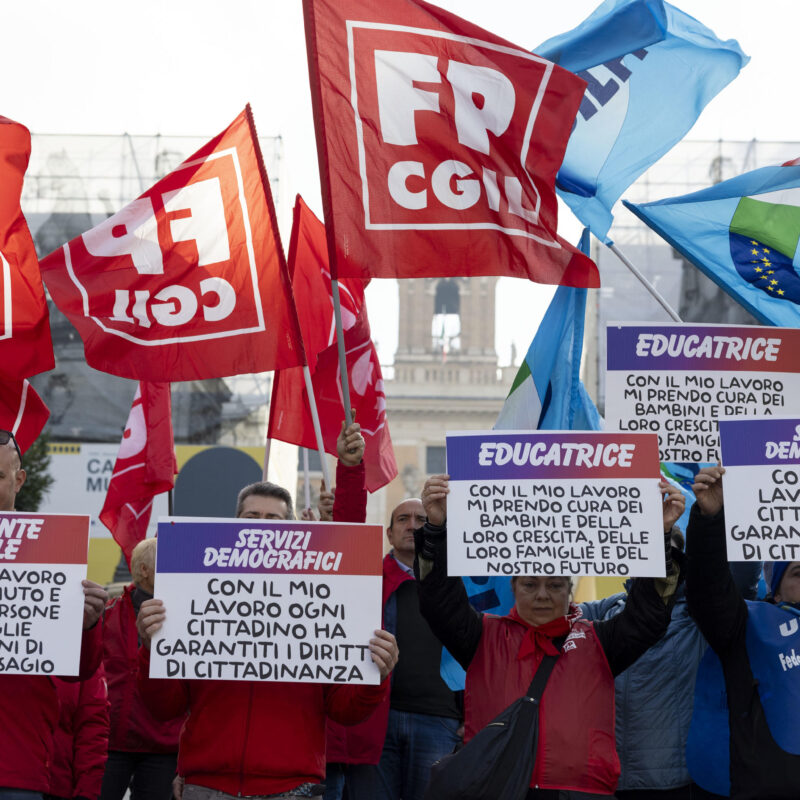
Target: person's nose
{"x": 541, "y": 592}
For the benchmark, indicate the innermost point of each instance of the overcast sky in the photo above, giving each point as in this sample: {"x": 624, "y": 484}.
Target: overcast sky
{"x": 190, "y": 66}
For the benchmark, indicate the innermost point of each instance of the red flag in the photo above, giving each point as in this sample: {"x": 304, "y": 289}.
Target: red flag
{"x": 438, "y": 145}
{"x": 145, "y": 466}
{"x": 189, "y": 280}
{"x": 25, "y": 344}
{"x": 290, "y": 418}
{"x": 22, "y": 412}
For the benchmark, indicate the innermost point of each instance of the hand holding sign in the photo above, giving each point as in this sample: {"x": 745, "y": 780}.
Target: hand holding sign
{"x": 95, "y": 598}
{"x": 434, "y": 498}
{"x": 384, "y": 652}
{"x": 151, "y": 617}
{"x": 674, "y": 504}
{"x": 708, "y": 490}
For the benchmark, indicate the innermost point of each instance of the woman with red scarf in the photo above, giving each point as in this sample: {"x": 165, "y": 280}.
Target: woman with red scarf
{"x": 576, "y": 752}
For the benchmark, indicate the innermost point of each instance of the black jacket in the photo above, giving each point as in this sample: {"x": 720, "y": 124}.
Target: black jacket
{"x": 760, "y": 770}
{"x": 444, "y": 604}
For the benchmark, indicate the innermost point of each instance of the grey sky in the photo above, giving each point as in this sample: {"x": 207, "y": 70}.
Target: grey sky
{"x": 189, "y": 66}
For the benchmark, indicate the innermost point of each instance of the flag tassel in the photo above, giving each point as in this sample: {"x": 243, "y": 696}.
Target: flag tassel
{"x": 647, "y": 285}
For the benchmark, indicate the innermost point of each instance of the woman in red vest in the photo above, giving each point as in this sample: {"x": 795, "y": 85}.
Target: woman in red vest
{"x": 576, "y": 753}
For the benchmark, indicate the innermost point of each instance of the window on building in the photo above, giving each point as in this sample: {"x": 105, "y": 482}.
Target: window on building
{"x": 446, "y": 323}
{"x": 435, "y": 460}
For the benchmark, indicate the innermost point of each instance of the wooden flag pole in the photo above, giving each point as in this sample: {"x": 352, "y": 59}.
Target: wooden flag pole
{"x": 647, "y": 285}
{"x": 337, "y": 314}
{"x": 312, "y": 405}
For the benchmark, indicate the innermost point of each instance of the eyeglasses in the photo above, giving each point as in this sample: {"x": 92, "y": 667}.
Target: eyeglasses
{"x": 6, "y": 437}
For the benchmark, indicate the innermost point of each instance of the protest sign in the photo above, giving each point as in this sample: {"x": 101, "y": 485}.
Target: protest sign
{"x": 553, "y": 503}
{"x": 762, "y": 488}
{"x": 679, "y": 380}
{"x": 42, "y": 564}
{"x": 264, "y": 600}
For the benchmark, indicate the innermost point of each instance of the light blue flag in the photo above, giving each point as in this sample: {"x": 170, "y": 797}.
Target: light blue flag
{"x": 651, "y": 70}
{"x": 743, "y": 233}
{"x": 547, "y": 394}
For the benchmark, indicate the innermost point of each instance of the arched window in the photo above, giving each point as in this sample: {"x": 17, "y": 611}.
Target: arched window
{"x": 446, "y": 323}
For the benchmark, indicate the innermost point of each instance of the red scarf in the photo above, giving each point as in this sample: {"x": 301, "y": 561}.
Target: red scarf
{"x": 540, "y": 637}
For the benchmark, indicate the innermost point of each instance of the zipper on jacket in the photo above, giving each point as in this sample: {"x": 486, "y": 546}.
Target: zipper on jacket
{"x": 246, "y": 736}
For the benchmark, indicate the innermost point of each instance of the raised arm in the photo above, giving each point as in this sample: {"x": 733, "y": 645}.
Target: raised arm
{"x": 442, "y": 600}
{"x": 714, "y": 600}
{"x": 350, "y": 500}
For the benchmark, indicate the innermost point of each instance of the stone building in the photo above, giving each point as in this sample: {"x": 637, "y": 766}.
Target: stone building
{"x": 446, "y": 377}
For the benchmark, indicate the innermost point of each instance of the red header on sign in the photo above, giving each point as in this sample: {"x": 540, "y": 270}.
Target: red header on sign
{"x": 43, "y": 538}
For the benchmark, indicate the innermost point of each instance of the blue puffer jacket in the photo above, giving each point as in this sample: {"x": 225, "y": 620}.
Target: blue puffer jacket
{"x": 654, "y": 697}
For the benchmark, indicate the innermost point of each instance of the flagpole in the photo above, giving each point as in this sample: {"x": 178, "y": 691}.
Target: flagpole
{"x": 337, "y": 315}
{"x": 306, "y": 479}
{"x": 647, "y": 285}
{"x": 312, "y": 405}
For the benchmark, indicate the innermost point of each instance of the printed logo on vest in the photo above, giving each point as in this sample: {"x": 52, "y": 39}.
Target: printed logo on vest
{"x": 570, "y": 643}
{"x": 789, "y": 660}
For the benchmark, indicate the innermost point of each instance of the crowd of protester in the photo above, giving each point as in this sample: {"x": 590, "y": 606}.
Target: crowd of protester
{"x": 668, "y": 690}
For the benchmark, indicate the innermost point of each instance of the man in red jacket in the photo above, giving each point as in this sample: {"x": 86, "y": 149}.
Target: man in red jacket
{"x": 141, "y": 748}
{"x": 257, "y": 737}
{"x": 81, "y": 740}
{"x": 29, "y": 703}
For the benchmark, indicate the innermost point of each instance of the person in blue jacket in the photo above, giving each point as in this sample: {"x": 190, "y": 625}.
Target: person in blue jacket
{"x": 653, "y": 716}
{"x": 744, "y": 740}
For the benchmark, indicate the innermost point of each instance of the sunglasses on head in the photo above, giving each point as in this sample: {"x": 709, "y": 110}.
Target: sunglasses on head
{"x": 6, "y": 437}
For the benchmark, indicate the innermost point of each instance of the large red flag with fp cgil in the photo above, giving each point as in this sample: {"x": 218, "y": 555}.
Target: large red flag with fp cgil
{"x": 25, "y": 344}
{"x": 289, "y": 418}
{"x": 438, "y": 145}
{"x": 145, "y": 466}
{"x": 189, "y": 280}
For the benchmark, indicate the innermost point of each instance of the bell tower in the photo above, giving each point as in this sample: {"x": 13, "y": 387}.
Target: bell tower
{"x": 446, "y": 375}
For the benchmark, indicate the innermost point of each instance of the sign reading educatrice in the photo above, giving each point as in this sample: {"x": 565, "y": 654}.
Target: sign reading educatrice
{"x": 42, "y": 564}
{"x": 762, "y": 488}
{"x": 679, "y": 380}
{"x": 555, "y": 503}
{"x": 271, "y": 601}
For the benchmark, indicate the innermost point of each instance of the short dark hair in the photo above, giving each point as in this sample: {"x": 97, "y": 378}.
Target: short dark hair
{"x": 265, "y": 489}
